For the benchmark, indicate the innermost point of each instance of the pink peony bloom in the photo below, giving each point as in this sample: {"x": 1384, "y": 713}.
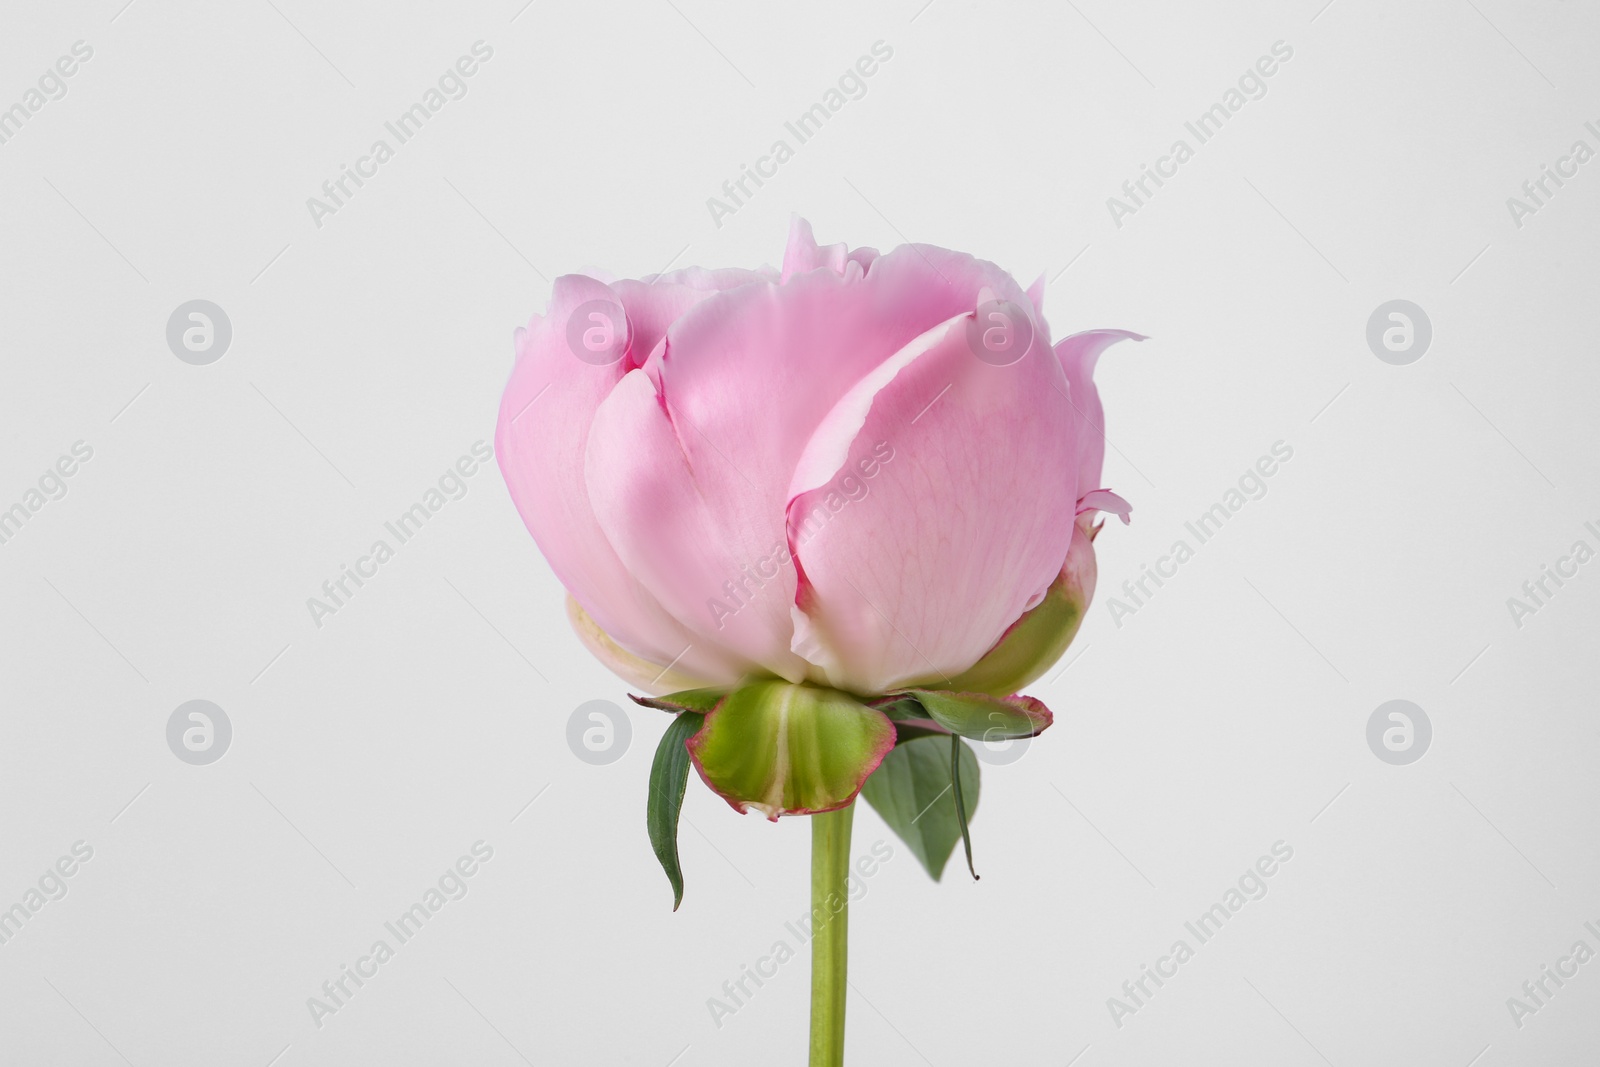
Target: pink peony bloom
{"x": 866, "y": 472}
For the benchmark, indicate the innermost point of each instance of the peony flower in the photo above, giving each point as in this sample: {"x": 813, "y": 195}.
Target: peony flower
{"x": 811, "y": 494}
{"x": 831, "y": 517}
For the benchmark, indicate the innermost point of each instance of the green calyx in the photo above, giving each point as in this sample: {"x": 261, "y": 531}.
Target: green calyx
{"x": 787, "y": 749}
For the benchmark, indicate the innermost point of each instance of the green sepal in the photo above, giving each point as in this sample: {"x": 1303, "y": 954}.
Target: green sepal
{"x": 983, "y": 717}
{"x": 912, "y": 791}
{"x": 956, "y": 748}
{"x": 669, "y": 775}
{"x": 787, "y": 749}
{"x": 910, "y": 719}
{"x": 698, "y": 700}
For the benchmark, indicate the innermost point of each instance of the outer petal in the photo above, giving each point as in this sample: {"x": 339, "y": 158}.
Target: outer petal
{"x": 653, "y": 678}
{"x": 544, "y": 421}
{"x": 929, "y": 511}
{"x": 655, "y": 303}
{"x": 1078, "y": 354}
{"x": 722, "y": 581}
{"x": 1036, "y": 294}
{"x": 1032, "y": 645}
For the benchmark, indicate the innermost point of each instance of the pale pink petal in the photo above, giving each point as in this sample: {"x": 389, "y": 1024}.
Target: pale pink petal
{"x": 803, "y": 253}
{"x": 724, "y": 581}
{"x": 656, "y": 302}
{"x": 712, "y": 279}
{"x": 655, "y": 679}
{"x": 1105, "y": 500}
{"x": 864, "y": 256}
{"x": 1078, "y": 354}
{"x": 651, "y": 309}
{"x": 1036, "y": 293}
{"x": 929, "y": 511}
{"x": 544, "y": 420}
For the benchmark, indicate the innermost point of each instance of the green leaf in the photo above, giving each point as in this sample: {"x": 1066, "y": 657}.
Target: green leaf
{"x": 700, "y": 700}
{"x": 788, "y": 749}
{"x": 669, "y": 774}
{"x": 984, "y": 717}
{"x": 911, "y": 789}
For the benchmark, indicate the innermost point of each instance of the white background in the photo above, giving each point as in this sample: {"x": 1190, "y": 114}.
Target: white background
{"x": 368, "y": 354}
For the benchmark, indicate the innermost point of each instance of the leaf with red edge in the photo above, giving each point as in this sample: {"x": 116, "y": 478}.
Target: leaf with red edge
{"x": 983, "y": 717}
{"x": 697, "y": 700}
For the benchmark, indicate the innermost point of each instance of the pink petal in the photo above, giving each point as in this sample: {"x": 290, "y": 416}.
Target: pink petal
{"x": 1079, "y": 353}
{"x": 653, "y": 678}
{"x": 712, "y": 279}
{"x": 803, "y": 254}
{"x": 722, "y": 581}
{"x": 544, "y": 420}
{"x": 1105, "y": 500}
{"x": 915, "y": 564}
{"x": 655, "y": 303}
{"x": 1036, "y": 293}
{"x": 865, "y": 256}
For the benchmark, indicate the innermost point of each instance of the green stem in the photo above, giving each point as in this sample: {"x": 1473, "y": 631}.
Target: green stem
{"x": 830, "y": 913}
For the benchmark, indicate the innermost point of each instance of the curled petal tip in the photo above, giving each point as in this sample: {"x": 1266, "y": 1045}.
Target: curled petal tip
{"x": 1105, "y": 500}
